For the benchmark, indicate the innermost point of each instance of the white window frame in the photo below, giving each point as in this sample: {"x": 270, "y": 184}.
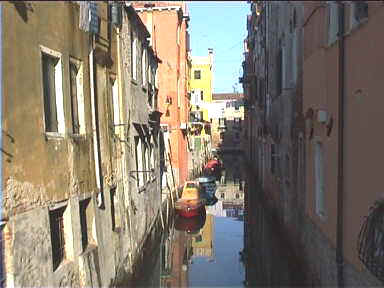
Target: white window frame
{"x": 139, "y": 161}
{"x": 144, "y": 67}
{"x": 145, "y": 161}
{"x": 178, "y": 93}
{"x": 80, "y": 94}
{"x": 319, "y": 173}
{"x": 115, "y": 103}
{"x": 59, "y": 96}
{"x": 134, "y": 59}
{"x": 333, "y": 22}
{"x": 178, "y": 34}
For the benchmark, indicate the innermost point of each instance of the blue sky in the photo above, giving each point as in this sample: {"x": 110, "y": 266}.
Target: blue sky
{"x": 220, "y": 25}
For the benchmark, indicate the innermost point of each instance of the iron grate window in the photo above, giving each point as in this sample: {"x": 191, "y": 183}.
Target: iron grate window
{"x": 57, "y": 236}
{"x": 371, "y": 241}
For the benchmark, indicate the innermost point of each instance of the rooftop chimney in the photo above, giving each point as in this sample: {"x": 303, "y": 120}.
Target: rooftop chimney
{"x": 210, "y": 55}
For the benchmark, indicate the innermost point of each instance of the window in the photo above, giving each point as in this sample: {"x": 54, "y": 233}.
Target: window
{"x": 86, "y": 223}
{"x": 197, "y": 74}
{"x": 202, "y": 95}
{"x": 61, "y": 235}
{"x": 178, "y": 35}
{"x": 56, "y": 221}
{"x": 359, "y": 12}
{"x": 333, "y": 22}
{"x": 279, "y": 71}
{"x": 152, "y": 160}
{"x": 139, "y": 161}
{"x": 145, "y": 162}
{"x": 287, "y": 170}
{"x": 237, "y": 195}
{"x": 115, "y": 210}
{"x": 77, "y": 96}
{"x": 319, "y": 179}
{"x": 144, "y": 67}
{"x": 134, "y": 59}
{"x": 222, "y": 195}
{"x": 52, "y": 91}
{"x": 178, "y": 93}
{"x": 237, "y": 121}
{"x": 273, "y": 158}
{"x": 115, "y": 111}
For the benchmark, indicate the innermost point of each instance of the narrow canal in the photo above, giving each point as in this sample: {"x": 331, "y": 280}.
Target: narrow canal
{"x": 219, "y": 248}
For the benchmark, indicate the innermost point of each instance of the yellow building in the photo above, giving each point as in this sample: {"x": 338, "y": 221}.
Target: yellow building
{"x": 201, "y": 85}
{"x": 202, "y": 244}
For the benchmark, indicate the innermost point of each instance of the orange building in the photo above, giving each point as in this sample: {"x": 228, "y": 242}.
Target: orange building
{"x": 167, "y": 23}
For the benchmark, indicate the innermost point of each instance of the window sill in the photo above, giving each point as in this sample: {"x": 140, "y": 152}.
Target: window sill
{"x": 78, "y": 136}
{"x": 54, "y": 136}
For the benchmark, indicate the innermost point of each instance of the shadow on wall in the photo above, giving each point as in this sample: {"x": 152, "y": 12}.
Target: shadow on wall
{"x": 23, "y": 8}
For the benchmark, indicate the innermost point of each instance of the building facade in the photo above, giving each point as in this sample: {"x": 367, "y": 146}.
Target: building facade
{"x": 226, "y": 113}
{"x": 68, "y": 177}
{"x": 304, "y": 103}
{"x": 201, "y": 86}
{"x": 167, "y": 23}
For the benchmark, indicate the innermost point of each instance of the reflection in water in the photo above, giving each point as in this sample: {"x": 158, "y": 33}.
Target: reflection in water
{"x": 197, "y": 251}
{"x": 216, "y": 248}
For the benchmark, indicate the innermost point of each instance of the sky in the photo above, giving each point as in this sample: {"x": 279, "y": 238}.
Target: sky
{"x": 221, "y": 25}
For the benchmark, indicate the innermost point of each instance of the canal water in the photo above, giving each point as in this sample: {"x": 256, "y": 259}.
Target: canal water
{"x": 221, "y": 247}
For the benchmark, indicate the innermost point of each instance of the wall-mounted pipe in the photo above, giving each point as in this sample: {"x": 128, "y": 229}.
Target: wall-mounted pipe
{"x": 1, "y": 110}
{"x": 340, "y": 168}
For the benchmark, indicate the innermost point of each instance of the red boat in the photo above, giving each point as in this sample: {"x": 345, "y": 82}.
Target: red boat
{"x": 190, "y": 204}
{"x": 191, "y": 225}
{"x": 213, "y": 168}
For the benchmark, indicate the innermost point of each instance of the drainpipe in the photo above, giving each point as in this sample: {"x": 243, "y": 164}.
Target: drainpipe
{"x": 1, "y": 110}
{"x": 96, "y": 145}
{"x": 340, "y": 170}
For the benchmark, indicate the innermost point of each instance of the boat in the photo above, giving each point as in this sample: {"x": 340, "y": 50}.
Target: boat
{"x": 208, "y": 188}
{"x": 191, "y": 225}
{"x": 213, "y": 168}
{"x": 191, "y": 203}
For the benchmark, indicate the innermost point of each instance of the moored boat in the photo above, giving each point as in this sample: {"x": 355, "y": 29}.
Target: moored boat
{"x": 208, "y": 188}
{"x": 190, "y": 204}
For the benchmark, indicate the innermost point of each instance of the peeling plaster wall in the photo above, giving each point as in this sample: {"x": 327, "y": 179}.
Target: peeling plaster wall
{"x": 41, "y": 172}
